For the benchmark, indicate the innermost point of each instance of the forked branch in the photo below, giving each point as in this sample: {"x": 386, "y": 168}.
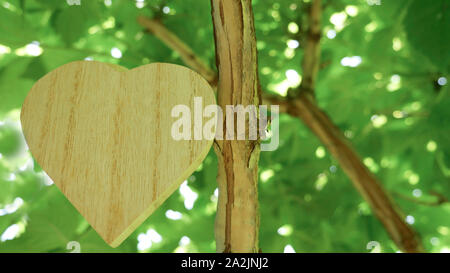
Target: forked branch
{"x": 320, "y": 124}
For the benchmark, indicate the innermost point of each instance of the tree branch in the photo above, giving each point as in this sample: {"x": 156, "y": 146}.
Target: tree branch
{"x": 237, "y": 218}
{"x": 330, "y": 135}
{"x": 172, "y": 41}
{"x": 322, "y": 126}
{"x": 365, "y": 183}
{"x": 311, "y": 54}
{"x": 440, "y": 199}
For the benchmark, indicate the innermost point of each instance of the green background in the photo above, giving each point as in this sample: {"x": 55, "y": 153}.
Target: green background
{"x": 389, "y": 97}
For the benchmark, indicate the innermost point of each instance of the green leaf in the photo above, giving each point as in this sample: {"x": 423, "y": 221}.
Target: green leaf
{"x": 53, "y": 3}
{"x": 14, "y": 89}
{"x": 73, "y": 22}
{"x": 10, "y": 141}
{"x": 35, "y": 70}
{"x": 50, "y": 226}
{"x": 13, "y": 93}
{"x": 427, "y": 25}
{"x": 15, "y": 30}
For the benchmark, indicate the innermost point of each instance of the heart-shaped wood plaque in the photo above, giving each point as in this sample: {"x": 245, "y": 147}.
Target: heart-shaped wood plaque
{"x": 103, "y": 134}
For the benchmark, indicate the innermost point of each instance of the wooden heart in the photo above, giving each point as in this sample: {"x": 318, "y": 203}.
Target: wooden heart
{"x": 103, "y": 134}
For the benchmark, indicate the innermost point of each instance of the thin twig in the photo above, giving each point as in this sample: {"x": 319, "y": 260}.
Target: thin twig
{"x": 321, "y": 125}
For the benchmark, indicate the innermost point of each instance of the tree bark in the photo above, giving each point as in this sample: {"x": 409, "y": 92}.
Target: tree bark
{"x": 237, "y": 219}
{"x": 311, "y": 53}
{"x": 321, "y": 125}
{"x": 365, "y": 183}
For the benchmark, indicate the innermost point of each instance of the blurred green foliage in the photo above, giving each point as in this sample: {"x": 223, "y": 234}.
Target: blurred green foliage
{"x": 383, "y": 81}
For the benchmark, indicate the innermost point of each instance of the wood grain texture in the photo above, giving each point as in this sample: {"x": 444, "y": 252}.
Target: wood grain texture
{"x": 237, "y": 218}
{"x": 305, "y": 108}
{"x": 103, "y": 134}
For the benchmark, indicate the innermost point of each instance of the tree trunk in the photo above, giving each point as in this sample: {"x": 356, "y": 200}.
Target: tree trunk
{"x": 322, "y": 126}
{"x": 237, "y": 220}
